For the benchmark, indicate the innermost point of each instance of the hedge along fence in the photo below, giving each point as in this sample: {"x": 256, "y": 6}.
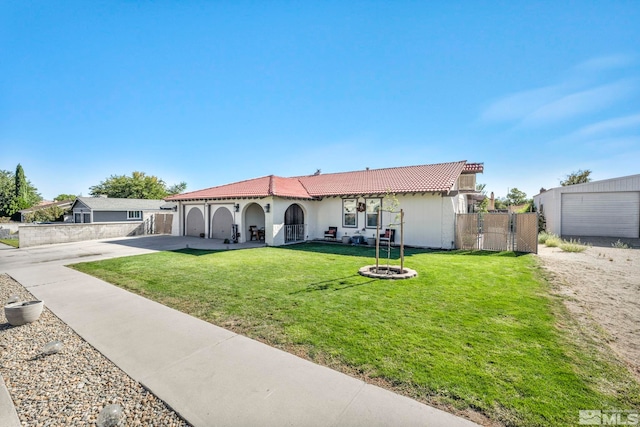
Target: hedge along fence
{"x": 48, "y": 234}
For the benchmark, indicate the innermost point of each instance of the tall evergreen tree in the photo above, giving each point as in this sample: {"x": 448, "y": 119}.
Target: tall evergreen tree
{"x": 16, "y": 192}
{"x": 22, "y": 190}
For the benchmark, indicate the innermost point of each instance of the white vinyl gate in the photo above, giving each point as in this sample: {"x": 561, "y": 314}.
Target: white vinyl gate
{"x": 615, "y": 214}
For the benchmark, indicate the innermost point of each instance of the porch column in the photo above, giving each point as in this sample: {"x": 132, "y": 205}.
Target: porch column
{"x": 206, "y": 212}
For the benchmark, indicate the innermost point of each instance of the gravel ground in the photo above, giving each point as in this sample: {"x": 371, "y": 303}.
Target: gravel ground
{"x": 601, "y": 288}
{"x": 69, "y": 388}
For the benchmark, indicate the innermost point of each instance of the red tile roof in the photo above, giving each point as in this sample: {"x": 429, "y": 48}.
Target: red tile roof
{"x": 257, "y": 187}
{"x": 439, "y": 177}
{"x": 473, "y": 168}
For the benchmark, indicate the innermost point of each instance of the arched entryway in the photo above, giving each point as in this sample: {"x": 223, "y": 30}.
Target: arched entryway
{"x": 294, "y": 224}
{"x": 222, "y": 224}
{"x": 195, "y": 222}
{"x": 254, "y": 222}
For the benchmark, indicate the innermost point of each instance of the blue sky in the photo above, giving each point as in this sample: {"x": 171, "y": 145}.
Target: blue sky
{"x": 220, "y": 91}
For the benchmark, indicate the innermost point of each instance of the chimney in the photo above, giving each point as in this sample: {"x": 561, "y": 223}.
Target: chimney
{"x": 492, "y": 202}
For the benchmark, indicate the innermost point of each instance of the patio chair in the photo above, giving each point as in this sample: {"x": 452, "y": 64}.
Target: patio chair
{"x": 331, "y": 233}
{"x": 253, "y": 233}
{"x": 388, "y": 236}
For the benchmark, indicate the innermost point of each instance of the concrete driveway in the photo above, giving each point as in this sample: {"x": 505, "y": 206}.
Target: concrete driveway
{"x": 207, "y": 374}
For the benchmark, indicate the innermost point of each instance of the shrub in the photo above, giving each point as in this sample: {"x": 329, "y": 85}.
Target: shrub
{"x": 553, "y": 241}
{"x": 620, "y": 245}
{"x": 543, "y": 236}
{"x": 542, "y": 222}
{"x": 573, "y": 246}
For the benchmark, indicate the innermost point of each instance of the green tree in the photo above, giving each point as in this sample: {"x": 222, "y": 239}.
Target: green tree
{"x": 482, "y": 206}
{"x": 177, "y": 188}
{"x": 516, "y": 197}
{"x": 137, "y": 186}
{"x": 7, "y": 192}
{"x": 49, "y": 214}
{"x": 63, "y": 197}
{"x": 16, "y": 192}
{"x": 579, "y": 177}
{"x": 21, "y": 200}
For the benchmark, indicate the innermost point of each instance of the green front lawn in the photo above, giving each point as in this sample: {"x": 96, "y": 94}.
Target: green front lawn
{"x": 474, "y": 332}
{"x": 10, "y": 242}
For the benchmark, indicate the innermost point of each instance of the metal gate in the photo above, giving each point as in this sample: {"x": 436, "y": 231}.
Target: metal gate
{"x": 497, "y": 232}
{"x": 161, "y": 224}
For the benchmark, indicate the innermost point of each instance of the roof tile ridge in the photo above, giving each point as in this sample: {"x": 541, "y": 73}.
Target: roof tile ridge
{"x": 303, "y": 186}
{"x": 271, "y": 190}
{"x": 381, "y": 169}
{"x": 221, "y": 185}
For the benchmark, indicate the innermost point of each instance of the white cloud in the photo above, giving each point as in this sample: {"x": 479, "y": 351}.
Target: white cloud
{"x": 609, "y": 126}
{"x": 574, "y": 95}
{"x": 614, "y": 144}
{"x": 581, "y": 103}
{"x": 606, "y": 62}
{"x": 520, "y": 104}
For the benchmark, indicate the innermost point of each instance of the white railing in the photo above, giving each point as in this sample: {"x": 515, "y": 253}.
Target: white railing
{"x": 294, "y": 233}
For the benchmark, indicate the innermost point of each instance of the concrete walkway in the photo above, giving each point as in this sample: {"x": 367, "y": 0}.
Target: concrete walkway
{"x": 209, "y": 375}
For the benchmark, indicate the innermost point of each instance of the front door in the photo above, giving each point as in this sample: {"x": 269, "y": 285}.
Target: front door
{"x": 294, "y": 224}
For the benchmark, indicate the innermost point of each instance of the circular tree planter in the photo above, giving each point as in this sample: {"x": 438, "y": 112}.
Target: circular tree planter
{"x": 383, "y": 272}
{"x": 20, "y": 313}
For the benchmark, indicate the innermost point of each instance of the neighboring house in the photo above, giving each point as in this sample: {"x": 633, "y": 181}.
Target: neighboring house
{"x": 609, "y": 208}
{"x": 104, "y": 209}
{"x": 288, "y": 210}
{"x": 64, "y": 205}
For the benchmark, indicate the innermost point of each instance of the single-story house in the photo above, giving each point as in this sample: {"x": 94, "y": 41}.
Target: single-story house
{"x": 288, "y": 210}
{"x": 106, "y": 209}
{"x": 609, "y": 208}
{"x": 65, "y": 205}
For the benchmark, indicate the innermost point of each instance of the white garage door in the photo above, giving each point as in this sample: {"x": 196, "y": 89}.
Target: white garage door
{"x": 601, "y": 214}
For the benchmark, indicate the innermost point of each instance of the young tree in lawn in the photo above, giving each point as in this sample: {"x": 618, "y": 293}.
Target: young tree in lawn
{"x": 137, "y": 186}
{"x": 390, "y": 204}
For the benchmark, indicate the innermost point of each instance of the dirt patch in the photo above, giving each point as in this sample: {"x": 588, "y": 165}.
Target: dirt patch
{"x": 601, "y": 288}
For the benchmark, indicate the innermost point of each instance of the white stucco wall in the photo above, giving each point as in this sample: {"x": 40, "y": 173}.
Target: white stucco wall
{"x": 429, "y": 218}
{"x": 279, "y": 207}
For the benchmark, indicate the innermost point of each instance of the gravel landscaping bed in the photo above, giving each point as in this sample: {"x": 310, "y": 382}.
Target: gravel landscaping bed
{"x": 71, "y": 387}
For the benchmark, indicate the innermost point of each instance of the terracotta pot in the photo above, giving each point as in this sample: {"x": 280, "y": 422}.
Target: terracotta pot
{"x": 20, "y": 313}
